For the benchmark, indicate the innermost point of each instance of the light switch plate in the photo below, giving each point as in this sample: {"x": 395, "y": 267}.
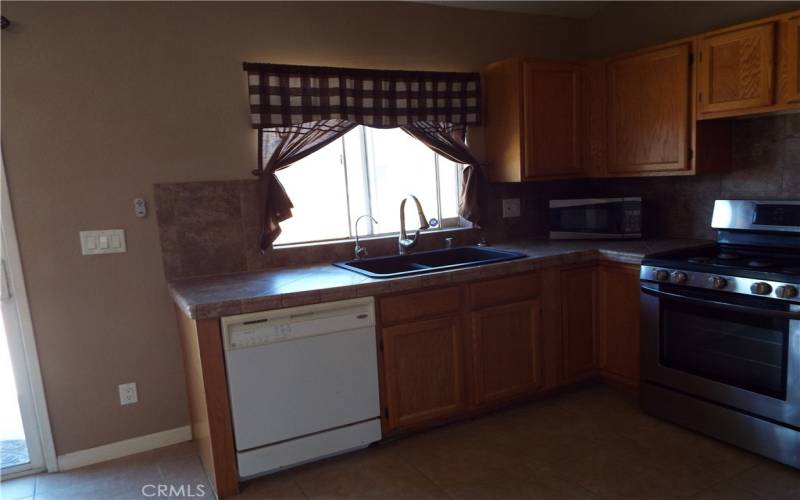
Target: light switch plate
{"x": 104, "y": 241}
{"x": 511, "y": 207}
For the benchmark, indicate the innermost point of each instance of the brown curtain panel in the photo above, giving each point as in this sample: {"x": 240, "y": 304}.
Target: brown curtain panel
{"x": 450, "y": 141}
{"x": 280, "y": 147}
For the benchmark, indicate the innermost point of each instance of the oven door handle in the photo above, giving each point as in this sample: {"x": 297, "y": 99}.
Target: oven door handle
{"x": 722, "y": 305}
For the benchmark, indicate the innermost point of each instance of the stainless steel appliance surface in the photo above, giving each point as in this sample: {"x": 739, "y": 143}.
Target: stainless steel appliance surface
{"x": 596, "y": 218}
{"x": 721, "y": 330}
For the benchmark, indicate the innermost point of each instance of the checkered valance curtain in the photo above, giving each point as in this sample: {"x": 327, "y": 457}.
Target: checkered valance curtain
{"x": 283, "y": 95}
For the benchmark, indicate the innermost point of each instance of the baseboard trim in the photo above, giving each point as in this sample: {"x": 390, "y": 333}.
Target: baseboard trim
{"x": 124, "y": 448}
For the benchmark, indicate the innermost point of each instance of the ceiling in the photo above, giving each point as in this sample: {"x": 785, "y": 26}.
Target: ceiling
{"x": 573, "y": 9}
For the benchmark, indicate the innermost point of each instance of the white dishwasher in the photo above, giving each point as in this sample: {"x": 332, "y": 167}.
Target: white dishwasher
{"x": 303, "y": 383}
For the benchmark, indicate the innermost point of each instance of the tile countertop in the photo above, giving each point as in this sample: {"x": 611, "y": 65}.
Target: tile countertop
{"x": 216, "y": 296}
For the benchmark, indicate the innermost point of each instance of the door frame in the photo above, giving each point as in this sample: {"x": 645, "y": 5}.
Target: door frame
{"x": 33, "y": 405}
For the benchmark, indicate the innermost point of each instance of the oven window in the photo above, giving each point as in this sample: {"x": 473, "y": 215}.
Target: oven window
{"x": 744, "y": 350}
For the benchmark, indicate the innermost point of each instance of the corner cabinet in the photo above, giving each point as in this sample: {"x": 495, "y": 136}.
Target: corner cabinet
{"x": 578, "y": 293}
{"x": 650, "y": 113}
{"x": 618, "y": 322}
{"x": 533, "y": 120}
{"x": 736, "y": 70}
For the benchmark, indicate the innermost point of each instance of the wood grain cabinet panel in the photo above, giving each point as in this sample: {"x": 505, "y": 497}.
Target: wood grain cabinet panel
{"x": 618, "y": 321}
{"x": 649, "y": 112}
{"x": 789, "y": 69}
{"x": 507, "y": 351}
{"x": 419, "y": 305}
{"x": 736, "y": 69}
{"x": 504, "y": 290}
{"x": 423, "y": 371}
{"x": 578, "y": 293}
{"x": 533, "y": 119}
{"x": 503, "y": 117}
{"x": 551, "y": 116}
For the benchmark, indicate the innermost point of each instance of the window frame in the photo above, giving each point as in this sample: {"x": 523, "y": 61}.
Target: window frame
{"x": 367, "y": 147}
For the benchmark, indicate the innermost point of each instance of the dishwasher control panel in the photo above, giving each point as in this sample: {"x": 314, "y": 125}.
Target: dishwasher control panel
{"x": 257, "y": 334}
{"x": 284, "y": 325}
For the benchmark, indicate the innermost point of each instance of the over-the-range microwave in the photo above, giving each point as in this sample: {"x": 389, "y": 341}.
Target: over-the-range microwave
{"x": 596, "y": 218}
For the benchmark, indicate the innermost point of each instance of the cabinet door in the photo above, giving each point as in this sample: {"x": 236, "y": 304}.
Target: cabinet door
{"x": 423, "y": 374}
{"x": 578, "y": 292}
{"x": 551, "y": 96}
{"x": 649, "y": 118}
{"x": 618, "y": 320}
{"x": 507, "y": 350}
{"x": 789, "y": 47}
{"x": 502, "y": 92}
{"x": 736, "y": 70}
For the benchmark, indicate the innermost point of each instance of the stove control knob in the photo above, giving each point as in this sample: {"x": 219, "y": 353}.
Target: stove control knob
{"x": 662, "y": 275}
{"x": 679, "y": 277}
{"x": 786, "y": 292}
{"x": 718, "y": 282}
{"x": 761, "y": 288}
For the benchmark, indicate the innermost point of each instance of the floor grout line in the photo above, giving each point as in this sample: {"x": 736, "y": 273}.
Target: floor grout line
{"x": 429, "y": 479}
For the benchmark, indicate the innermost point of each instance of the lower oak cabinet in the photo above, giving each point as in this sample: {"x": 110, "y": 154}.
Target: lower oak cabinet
{"x": 423, "y": 371}
{"x": 578, "y": 293}
{"x": 455, "y": 351}
{"x": 508, "y": 354}
{"x": 618, "y": 322}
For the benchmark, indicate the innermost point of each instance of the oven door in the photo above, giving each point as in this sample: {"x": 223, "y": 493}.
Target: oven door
{"x": 739, "y": 351}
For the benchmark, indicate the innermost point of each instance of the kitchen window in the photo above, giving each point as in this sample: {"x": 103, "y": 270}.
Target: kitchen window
{"x": 367, "y": 171}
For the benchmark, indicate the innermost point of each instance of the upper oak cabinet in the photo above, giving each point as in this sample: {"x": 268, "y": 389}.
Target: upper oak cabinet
{"x": 533, "y": 120}
{"x": 789, "y": 67}
{"x": 650, "y": 113}
{"x": 736, "y": 70}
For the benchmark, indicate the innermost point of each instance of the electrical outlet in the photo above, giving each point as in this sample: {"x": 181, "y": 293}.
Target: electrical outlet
{"x": 128, "y": 394}
{"x": 511, "y": 207}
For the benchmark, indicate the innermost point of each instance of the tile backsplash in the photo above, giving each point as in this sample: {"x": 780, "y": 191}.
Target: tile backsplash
{"x": 765, "y": 165}
{"x": 211, "y": 228}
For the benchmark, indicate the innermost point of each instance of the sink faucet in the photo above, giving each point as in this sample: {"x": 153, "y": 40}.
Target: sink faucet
{"x": 360, "y": 251}
{"x": 404, "y": 242}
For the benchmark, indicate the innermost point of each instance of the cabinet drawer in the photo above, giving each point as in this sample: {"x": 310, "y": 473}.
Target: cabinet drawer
{"x": 504, "y": 290}
{"x": 412, "y": 306}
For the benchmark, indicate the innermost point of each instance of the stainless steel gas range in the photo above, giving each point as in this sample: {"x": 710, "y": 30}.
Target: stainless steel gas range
{"x": 721, "y": 330}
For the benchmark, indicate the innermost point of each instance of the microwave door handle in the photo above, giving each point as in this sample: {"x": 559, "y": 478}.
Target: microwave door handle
{"x": 722, "y": 305}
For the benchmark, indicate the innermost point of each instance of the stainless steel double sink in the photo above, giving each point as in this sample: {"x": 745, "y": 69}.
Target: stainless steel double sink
{"x": 427, "y": 262}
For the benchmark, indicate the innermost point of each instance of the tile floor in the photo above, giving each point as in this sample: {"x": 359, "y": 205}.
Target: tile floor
{"x": 590, "y": 444}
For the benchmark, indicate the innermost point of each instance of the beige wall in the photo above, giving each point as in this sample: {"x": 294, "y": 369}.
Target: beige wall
{"x": 101, "y": 100}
